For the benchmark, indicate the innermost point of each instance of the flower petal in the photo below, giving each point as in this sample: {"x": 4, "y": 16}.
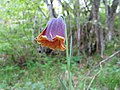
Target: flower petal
{"x": 56, "y": 44}
{"x": 53, "y": 35}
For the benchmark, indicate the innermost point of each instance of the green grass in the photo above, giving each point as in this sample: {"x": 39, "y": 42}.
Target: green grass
{"x": 37, "y": 76}
{"x": 44, "y": 72}
{"x": 33, "y": 74}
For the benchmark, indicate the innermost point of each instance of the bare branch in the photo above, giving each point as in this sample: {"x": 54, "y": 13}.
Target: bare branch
{"x": 105, "y": 60}
{"x": 42, "y": 12}
{"x": 93, "y": 79}
{"x": 50, "y": 8}
{"x": 114, "y": 7}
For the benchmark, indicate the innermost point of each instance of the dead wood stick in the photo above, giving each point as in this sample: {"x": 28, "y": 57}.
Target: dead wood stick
{"x": 103, "y": 61}
{"x": 93, "y": 79}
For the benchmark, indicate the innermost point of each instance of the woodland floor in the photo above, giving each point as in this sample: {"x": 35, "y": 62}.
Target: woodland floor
{"x": 47, "y": 76}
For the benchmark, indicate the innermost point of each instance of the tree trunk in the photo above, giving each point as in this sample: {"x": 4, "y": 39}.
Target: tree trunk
{"x": 50, "y": 8}
{"x": 94, "y": 18}
{"x": 101, "y": 42}
{"x": 110, "y": 12}
{"x": 94, "y": 10}
{"x": 77, "y": 4}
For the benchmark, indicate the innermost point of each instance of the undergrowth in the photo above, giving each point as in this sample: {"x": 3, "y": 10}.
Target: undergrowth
{"x": 38, "y": 76}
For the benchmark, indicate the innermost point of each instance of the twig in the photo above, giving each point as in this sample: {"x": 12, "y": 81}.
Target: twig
{"x": 93, "y": 79}
{"x": 84, "y": 84}
{"x": 42, "y": 12}
{"x": 105, "y": 60}
{"x": 109, "y": 57}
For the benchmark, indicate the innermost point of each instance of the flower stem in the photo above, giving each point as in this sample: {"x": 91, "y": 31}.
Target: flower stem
{"x": 68, "y": 60}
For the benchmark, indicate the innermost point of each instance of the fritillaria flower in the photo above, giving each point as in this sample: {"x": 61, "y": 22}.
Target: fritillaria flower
{"x": 53, "y": 36}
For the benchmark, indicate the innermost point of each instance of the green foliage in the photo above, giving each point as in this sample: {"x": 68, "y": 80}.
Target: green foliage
{"x": 16, "y": 29}
{"x": 23, "y": 68}
{"x": 109, "y": 77}
{"x": 45, "y": 76}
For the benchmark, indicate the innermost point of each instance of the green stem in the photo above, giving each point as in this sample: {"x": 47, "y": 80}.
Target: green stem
{"x": 68, "y": 60}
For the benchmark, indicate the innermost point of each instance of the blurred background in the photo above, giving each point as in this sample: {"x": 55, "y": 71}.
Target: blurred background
{"x": 93, "y": 28}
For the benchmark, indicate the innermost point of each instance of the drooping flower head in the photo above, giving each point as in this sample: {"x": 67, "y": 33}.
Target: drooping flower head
{"x": 53, "y": 36}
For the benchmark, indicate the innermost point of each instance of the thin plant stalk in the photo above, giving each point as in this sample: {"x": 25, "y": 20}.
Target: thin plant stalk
{"x": 70, "y": 46}
{"x": 68, "y": 60}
